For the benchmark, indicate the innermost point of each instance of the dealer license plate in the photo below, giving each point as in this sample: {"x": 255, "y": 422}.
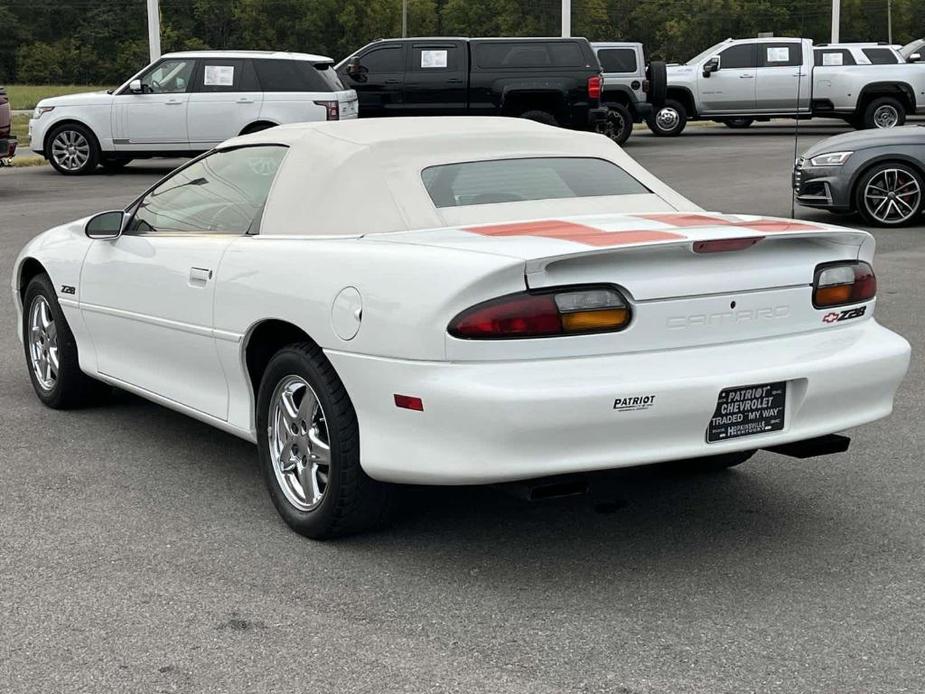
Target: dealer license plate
{"x": 748, "y": 410}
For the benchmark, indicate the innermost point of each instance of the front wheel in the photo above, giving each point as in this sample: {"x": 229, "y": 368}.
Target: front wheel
{"x": 668, "y": 121}
{"x": 890, "y": 195}
{"x": 51, "y": 351}
{"x": 309, "y": 448}
{"x": 72, "y": 149}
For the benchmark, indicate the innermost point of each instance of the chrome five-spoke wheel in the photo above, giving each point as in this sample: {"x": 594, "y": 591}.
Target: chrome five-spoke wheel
{"x": 892, "y": 196}
{"x": 71, "y": 150}
{"x": 43, "y": 343}
{"x": 300, "y": 448}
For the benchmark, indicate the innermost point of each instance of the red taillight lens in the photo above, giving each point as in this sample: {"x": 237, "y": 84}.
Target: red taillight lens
{"x": 332, "y": 109}
{"x": 594, "y": 86}
{"x": 566, "y": 311}
{"x": 837, "y": 284}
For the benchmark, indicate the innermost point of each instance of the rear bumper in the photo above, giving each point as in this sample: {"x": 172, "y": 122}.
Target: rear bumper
{"x": 597, "y": 116}
{"x": 486, "y": 422}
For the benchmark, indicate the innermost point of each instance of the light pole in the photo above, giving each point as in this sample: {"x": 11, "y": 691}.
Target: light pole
{"x": 889, "y": 21}
{"x": 404, "y": 18}
{"x": 154, "y": 30}
{"x": 836, "y": 19}
{"x": 566, "y": 18}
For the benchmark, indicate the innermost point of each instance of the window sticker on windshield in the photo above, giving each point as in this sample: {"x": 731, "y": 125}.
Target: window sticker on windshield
{"x": 219, "y": 76}
{"x": 832, "y": 59}
{"x": 433, "y": 58}
{"x": 778, "y": 54}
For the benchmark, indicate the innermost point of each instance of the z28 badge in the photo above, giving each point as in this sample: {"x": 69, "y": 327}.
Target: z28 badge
{"x": 836, "y": 317}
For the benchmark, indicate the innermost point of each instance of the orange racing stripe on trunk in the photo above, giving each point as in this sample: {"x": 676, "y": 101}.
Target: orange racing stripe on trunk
{"x": 579, "y": 233}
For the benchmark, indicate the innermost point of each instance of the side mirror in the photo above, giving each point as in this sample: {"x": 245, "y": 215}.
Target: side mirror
{"x": 135, "y": 87}
{"x": 106, "y": 225}
{"x": 711, "y": 66}
{"x": 915, "y": 58}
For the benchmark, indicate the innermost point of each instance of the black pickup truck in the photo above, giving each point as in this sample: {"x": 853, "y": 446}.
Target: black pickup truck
{"x": 7, "y": 141}
{"x": 551, "y": 80}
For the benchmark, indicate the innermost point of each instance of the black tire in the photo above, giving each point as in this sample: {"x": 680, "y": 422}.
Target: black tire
{"x": 544, "y": 117}
{"x": 738, "y": 123}
{"x": 351, "y": 501}
{"x": 72, "y": 388}
{"x": 80, "y": 133}
{"x": 115, "y": 163}
{"x": 881, "y": 110}
{"x": 669, "y": 120}
{"x": 619, "y": 123}
{"x": 864, "y": 205}
{"x": 712, "y": 463}
{"x": 657, "y": 75}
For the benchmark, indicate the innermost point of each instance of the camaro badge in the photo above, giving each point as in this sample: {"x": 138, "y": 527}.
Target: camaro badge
{"x": 634, "y": 403}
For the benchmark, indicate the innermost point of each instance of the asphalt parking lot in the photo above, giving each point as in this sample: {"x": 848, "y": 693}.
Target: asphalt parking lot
{"x": 140, "y": 551}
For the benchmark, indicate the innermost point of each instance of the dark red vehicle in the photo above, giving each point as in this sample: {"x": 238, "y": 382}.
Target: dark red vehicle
{"x": 7, "y": 141}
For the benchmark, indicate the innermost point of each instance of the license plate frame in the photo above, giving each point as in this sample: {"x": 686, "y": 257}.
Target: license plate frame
{"x": 743, "y": 411}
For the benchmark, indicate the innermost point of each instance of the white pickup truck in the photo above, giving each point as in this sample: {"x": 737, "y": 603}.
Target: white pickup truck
{"x": 740, "y": 81}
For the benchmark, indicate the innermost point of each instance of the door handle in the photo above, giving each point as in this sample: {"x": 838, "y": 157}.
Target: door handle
{"x": 244, "y": 101}
{"x": 454, "y": 80}
{"x": 174, "y": 102}
{"x": 198, "y": 276}
{"x": 392, "y": 82}
{"x": 746, "y": 77}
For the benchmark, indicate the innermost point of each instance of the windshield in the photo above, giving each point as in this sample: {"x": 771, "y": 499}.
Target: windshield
{"x": 706, "y": 54}
{"x": 518, "y": 180}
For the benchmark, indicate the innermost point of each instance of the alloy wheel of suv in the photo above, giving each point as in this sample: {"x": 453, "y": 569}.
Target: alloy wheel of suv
{"x": 72, "y": 149}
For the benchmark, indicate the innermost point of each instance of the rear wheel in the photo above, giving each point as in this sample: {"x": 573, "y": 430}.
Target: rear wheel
{"x": 738, "y": 123}
{"x": 115, "y": 163}
{"x": 309, "y": 448}
{"x": 884, "y": 112}
{"x": 72, "y": 149}
{"x": 540, "y": 117}
{"x": 890, "y": 194}
{"x": 618, "y": 125}
{"x": 51, "y": 351}
{"x": 669, "y": 120}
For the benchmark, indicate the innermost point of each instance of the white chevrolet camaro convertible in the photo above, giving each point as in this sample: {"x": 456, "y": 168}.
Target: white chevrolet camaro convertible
{"x": 456, "y": 301}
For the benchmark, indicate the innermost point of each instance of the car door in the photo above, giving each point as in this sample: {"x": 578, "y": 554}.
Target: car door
{"x": 225, "y": 99}
{"x": 146, "y": 297}
{"x": 784, "y": 84}
{"x": 379, "y": 80}
{"x": 154, "y": 119}
{"x": 436, "y": 81}
{"x": 731, "y": 89}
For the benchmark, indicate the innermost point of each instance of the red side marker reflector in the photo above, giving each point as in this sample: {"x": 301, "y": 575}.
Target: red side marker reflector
{"x": 409, "y": 402}
{"x": 723, "y": 245}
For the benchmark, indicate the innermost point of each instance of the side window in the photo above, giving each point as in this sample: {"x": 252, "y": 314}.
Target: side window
{"x": 566, "y": 54}
{"x": 834, "y": 56}
{"x": 224, "y": 192}
{"x": 618, "y": 59}
{"x": 216, "y": 75}
{"x": 168, "y": 77}
{"x": 497, "y": 54}
{"x": 293, "y": 76}
{"x": 880, "y": 56}
{"x": 780, "y": 55}
{"x": 379, "y": 60}
{"x": 426, "y": 58}
{"x": 744, "y": 55}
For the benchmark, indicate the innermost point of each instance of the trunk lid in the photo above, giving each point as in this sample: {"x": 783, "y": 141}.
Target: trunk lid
{"x": 682, "y": 291}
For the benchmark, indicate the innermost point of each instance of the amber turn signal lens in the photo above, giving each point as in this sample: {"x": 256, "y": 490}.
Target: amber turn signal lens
{"x": 833, "y": 296}
{"x": 608, "y": 319}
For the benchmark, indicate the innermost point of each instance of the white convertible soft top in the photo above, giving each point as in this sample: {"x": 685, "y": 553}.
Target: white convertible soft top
{"x": 356, "y": 177}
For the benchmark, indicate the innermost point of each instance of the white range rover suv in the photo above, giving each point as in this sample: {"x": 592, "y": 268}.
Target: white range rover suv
{"x": 186, "y": 103}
